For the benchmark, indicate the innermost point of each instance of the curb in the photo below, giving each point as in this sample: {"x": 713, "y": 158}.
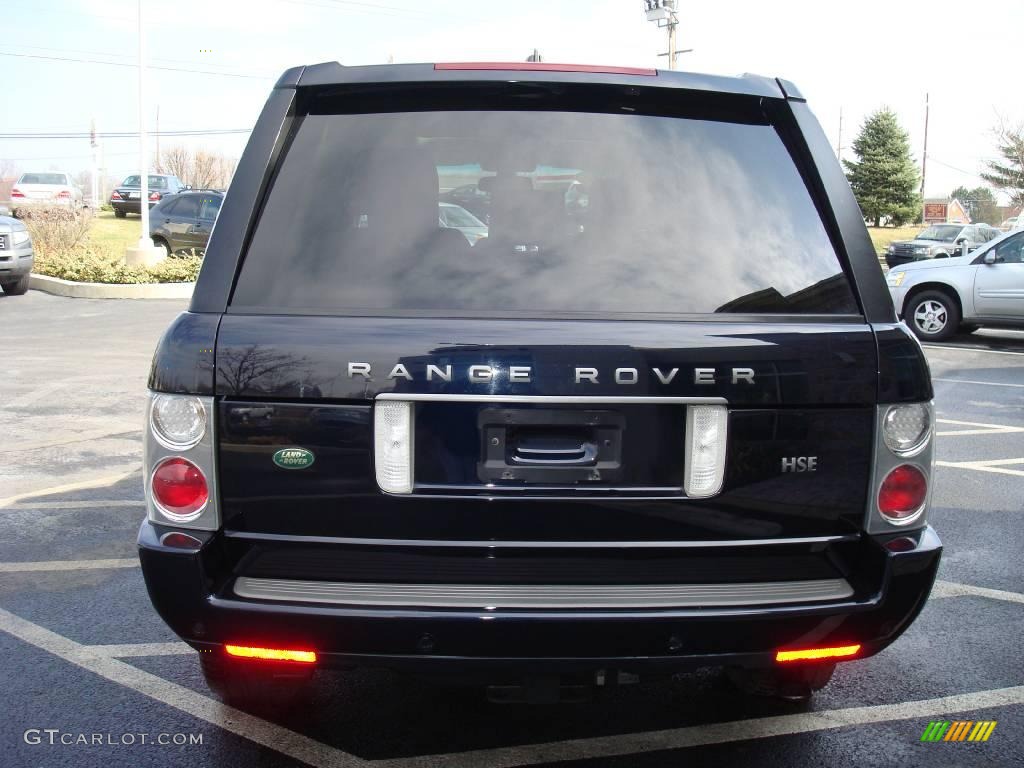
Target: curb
{"x": 71, "y": 289}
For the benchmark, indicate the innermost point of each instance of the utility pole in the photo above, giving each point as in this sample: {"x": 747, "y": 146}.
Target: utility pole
{"x": 924, "y": 155}
{"x": 664, "y": 14}
{"x": 94, "y": 193}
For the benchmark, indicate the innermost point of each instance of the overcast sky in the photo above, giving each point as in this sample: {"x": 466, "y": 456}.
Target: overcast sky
{"x": 855, "y": 56}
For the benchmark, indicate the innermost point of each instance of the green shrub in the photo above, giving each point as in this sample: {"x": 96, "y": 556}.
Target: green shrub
{"x": 86, "y": 264}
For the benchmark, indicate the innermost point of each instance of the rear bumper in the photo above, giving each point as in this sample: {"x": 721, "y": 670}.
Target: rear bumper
{"x": 130, "y": 206}
{"x": 199, "y": 604}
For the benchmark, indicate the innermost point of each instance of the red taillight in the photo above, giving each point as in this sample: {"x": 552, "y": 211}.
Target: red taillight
{"x": 154, "y": 195}
{"x": 813, "y": 654}
{"x": 270, "y": 654}
{"x": 17, "y": 193}
{"x": 902, "y": 493}
{"x": 115, "y": 195}
{"x": 64, "y": 195}
{"x": 179, "y": 488}
{"x": 536, "y": 66}
{"x": 180, "y": 540}
{"x": 902, "y": 544}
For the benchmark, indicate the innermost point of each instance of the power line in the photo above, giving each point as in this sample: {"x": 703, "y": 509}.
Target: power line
{"x": 136, "y": 66}
{"x": 123, "y": 134}
{"x": 115, "y": 55}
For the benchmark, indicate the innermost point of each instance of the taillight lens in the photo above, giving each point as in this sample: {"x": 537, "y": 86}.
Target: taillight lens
{"x": 902, "y": 494}
{"x": 393, "y": 445}
{"x": 706, "y": 437}
{"x": 906, "y": 428}
{"x": 179, "y": 421}
{"x": 179, "y": 489}
{"x": 154, "y": 195}
{"x": 17, "y": 193}
{"x": 115, "y": 195}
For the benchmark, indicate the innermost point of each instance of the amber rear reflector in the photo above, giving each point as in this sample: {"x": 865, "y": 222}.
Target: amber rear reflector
{"x": 270, "y": 654}
{"x": 543, "y": 66}
{"x": 809, "y": 654}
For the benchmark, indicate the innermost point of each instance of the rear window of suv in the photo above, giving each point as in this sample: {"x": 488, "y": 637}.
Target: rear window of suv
{"x": 586, "y": 214}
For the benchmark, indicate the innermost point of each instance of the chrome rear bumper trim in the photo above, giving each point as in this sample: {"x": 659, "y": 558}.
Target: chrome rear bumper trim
{"x": 515, "y": 596}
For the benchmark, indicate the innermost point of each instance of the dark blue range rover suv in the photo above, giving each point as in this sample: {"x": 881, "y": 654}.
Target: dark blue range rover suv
{"x": 678, "y": 426}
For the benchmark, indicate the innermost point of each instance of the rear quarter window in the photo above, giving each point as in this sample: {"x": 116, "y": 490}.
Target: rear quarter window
{"x": 586, "y": 214}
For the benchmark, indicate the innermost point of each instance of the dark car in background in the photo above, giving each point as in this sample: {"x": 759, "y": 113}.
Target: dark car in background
{"x": 127, "y": 196}
{"x": 940, "y": 241}
{"x": 183, "y": 222}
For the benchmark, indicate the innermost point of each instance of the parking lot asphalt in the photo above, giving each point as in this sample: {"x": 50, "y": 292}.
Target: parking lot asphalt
{"x": 87, "y": 661}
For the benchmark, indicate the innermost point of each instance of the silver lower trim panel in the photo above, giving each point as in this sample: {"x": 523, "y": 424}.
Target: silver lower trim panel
{"x": 581, "y": 596}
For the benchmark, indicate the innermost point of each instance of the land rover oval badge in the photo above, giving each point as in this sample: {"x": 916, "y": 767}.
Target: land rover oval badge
{"x": 294, "y": 458}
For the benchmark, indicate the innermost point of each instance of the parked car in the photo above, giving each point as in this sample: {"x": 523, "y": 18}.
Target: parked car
{"x": 985, "y": 288}
{"x": 16, "y": 258}
{"x": 125, "y": 198}
{"x": 471, "y": 197}
{"x": 456, "y": 217}
{"x": 939, "y": 241}
{"x": 558, "y": 457}
{"x": 47, "y": 188}
{"x": 183, "y": 222}
{"x": 1009, "y": 224}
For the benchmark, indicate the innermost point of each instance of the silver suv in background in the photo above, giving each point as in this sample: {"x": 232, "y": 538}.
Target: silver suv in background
{"x": 940, "y": 241}
{"x": 938, "y": 298}
{"x": 15, "y": 256}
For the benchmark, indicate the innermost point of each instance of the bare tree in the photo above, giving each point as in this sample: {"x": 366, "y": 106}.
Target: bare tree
{"x": 8, "y": 169}
{"x": 178, "y": 161}
{"x": 202, "y": 169}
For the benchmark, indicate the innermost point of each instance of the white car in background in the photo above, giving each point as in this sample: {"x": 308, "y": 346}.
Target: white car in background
{"x": 938, "y": 297}
{"x": 46, "y": 188}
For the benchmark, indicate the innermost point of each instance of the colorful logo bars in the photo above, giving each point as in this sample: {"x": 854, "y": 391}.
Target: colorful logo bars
{"x": 958, "y": 730}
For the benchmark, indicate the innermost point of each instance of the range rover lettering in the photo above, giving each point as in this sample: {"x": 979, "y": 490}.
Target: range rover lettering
{"x": 677, "y": 427}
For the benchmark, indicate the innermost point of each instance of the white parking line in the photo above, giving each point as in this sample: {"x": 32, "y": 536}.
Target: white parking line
{"x": 234, "y": 721}
{"x": 716, "y": 733}
{"x": 93, "y": 504}
{"x": 100, "y": 660}
{"x": 995, "y": 465}
{"x": 954, "y": 589}
{"x": 972, "y": 349}
{"x": 83, "y": 437}
{"x": 127, "y": 650}
{"x": 99, "y": 482}
{"x": 975, "y": 381}
{"x": 70, "y": 565}
{"x": 980, "y": 428}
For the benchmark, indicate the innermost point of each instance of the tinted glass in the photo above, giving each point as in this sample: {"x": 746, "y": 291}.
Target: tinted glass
{"x": 1009, "y": 251}
{"x": 945, "y": 233}
{"x": 155, "y": 182}
{"x": 210, "y": 207}
{"x": 43, "y": 178}
{"x": 187, "y": 207}
{"x": 680, "y": 216}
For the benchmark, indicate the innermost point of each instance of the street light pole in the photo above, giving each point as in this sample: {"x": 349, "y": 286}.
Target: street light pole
{"x": 144, "y": 241}
{"x": 145, "y": 252}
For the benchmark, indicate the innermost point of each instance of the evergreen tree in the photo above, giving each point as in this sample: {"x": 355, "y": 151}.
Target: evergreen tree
{"x": 980, "y": 203}
{"x": 1007, "y": 173}
{"x": 884, "y": 176}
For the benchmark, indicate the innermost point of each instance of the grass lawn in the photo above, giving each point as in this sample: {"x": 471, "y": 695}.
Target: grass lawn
{"x": 109, "y": 232}
{"x": 882, "y": 236}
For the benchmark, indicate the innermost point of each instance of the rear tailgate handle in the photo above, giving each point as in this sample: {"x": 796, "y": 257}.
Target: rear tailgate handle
{"x": 580, "y": 455}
